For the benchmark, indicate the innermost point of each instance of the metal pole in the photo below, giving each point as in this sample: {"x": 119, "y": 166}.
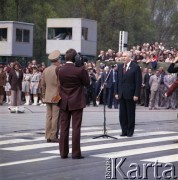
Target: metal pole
{"x": 17, "y": 9}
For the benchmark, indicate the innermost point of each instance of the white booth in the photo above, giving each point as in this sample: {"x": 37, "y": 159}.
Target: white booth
{"x": 77, "y": 33}
{"x": 16, "y": 39}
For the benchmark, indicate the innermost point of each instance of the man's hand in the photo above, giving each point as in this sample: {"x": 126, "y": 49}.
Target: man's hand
{"x": 135, "y": 98}
{"x": 117, "y": 96}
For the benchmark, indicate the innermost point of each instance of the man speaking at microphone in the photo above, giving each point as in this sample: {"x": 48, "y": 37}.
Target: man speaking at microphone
{"x": 127, "y": 91}
{"x": 72, "y": 82}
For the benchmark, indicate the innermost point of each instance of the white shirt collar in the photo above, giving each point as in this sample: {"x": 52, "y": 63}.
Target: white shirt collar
{"x": 69, "y": 62}
{"x": 128, "y": 64}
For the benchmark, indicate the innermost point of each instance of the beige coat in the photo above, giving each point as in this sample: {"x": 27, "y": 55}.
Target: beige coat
{"x": 49, "y": 84}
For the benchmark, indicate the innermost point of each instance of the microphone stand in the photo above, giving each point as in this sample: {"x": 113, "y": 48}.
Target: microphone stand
{"x": 104, "y": 135}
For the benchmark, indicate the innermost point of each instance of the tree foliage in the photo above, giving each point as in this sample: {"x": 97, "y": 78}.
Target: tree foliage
{"x": 145, "y": 20}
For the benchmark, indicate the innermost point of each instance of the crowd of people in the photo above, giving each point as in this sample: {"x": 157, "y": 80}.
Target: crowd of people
{"x": 21, "y": 84}
{"x": 147, "y": 53}
{"x": 66, "y": 88}
{"x": 155, "y": 82}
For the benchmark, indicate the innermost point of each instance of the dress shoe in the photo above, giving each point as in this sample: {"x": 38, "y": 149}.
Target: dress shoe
{"x": 123, "y": 134}
{"x": 53, "y": 140}
{"x": 64, "y": 157}
{"x": 129, "y": 135}
{"x": 78, "y": 157}
{"x": 48, "y": 140}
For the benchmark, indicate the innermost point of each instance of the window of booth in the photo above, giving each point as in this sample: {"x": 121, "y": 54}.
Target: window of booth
{"x": 60, "y": 33}
{"x": 84, "y": 33}
{"x": 3, "y": 34}
{"x": 22, "y": 35}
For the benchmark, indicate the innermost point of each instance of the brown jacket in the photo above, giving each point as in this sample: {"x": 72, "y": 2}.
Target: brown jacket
{"x": 49, "y": 83}
{"x": 2, "y": 79}
{"x": 14, "y": 80}
{"x": 72, "y": 82}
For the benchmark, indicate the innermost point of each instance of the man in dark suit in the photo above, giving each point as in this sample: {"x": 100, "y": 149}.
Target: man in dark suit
{"x": 147, "y": 87}
{"x": 128, "y": 90}
{"x": 91, "y": 89}
{"x": 72, "y": 81}
{"x": 108, "y": 80}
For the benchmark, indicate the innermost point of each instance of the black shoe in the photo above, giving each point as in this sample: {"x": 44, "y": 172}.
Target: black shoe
{"x": 64, "y": 157}
{"x": 123, "y": 134}
{"x": 78, "y": 157}
{"x": 129, "y": 135}
{"x": 52, "y": 140}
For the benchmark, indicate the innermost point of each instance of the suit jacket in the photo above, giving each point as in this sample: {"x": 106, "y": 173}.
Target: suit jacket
{"x": 72, "y": 81}
{"x": 129, "y": 84}
{"x": 93, "y": 80}
{"x": 146, "y": 81}
{"x": 154, "y": 83}
{"x": 109, "y": 80}
{"x": 49, "y": 83}
{"x": 168, "y": 81}
{"x": 14, "y": 80}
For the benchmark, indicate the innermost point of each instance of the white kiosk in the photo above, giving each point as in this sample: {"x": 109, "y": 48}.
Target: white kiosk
{"x": 16, "y": 39}
{"x": 77, "y": 33}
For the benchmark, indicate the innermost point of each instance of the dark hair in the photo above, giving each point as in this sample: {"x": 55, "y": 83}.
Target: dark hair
{"x": 16, "y": 64}
{"x": 70, "y": 55}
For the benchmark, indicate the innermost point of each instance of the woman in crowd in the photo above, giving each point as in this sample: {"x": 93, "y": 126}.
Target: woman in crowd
{"x": 34, "y": 84}
{"x": 7, "y": 86}
{"x": 26, "y": 85}
{"x": 2, "y": 83}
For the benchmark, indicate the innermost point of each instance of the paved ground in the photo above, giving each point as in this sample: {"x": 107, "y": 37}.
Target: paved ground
{"x": 24, "y": 153}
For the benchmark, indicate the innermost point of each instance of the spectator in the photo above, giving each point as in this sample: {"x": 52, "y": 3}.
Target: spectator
{"x": 15, "y": 80}
{"x": 2, "y": 84}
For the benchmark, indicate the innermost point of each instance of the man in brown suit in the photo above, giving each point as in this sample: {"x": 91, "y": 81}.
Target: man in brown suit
{"x": 72, "y": 82}
{"x": 49, "y": 83}
{"x": 15, "y": 80}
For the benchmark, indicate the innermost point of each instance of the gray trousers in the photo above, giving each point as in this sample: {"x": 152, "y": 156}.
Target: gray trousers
{"x": 52, "y": 121}
{"x": 171, "y": 101}
{"x": 154, "y": 99}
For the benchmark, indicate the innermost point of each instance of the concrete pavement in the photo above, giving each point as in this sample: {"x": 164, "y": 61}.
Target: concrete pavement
{"x": 34, "y": 117}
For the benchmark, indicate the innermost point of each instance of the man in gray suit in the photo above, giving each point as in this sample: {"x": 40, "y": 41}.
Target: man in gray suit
{"x": 154, "y": 83}
{"x": 50, "y": 89}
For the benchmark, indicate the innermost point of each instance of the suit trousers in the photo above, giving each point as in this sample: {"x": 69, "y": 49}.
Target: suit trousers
{"x": 154, "y": 99}
{"x": 127, "y": 116}
{"x": 76, "y": 130}
{"x": 16, "y": 97}
{"x": 147, "y": 97}
{"x": 52, "y": 121}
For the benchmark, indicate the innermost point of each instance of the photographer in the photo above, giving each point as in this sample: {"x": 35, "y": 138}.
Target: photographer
{"x": 72, "y": 82}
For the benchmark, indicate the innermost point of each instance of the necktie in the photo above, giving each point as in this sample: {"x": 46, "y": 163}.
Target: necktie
{"x": 125, "y": 68}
